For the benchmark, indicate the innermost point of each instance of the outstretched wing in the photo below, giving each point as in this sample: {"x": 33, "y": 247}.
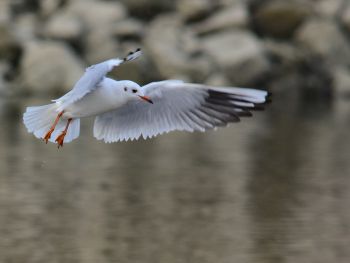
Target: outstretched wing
{"x": 92, "y": 77}
{"x": 177, "y": 106}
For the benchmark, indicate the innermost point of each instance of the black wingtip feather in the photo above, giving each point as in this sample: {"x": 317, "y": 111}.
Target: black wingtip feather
{"x": 219, "y": 109}
{"x": 227, "y": 101}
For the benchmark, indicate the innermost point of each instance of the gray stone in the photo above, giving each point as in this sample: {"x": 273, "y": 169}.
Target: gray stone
{"x": 148, "y": 8}
{"x": 280, "y": 18}
{"x": 4, "y": 68}
{"x": 217, "y": 79}
{"x": 99, "y": 46}
{"x": 49, "y": 67}
{"x": 228, "y": 3}
{"x": 200, "y": 68}
{"x": 323, "y": 37}
{"x": 9, "y": 45}
{"x": 341, "y": 81}
{"x": 172, "y": 49}
{"x": 26, "y": 27}
{"x": 49, "y": 7}
{"x": 5, "y": 11}
{"x": 235, "y": 16}
{"x": 128, "y": 28}
{"x": 64, "y": 26}
{"x": 7, "y": 88}
{"x": 194, "y": 9}
{"x": 99, "y": 19}
{"x": 328, "y": 8}
{"x": 345, "y": 18}
{"x": 239, "y": 54}
{"x": 285, "y": 53}
{"x": 97, "y": 15}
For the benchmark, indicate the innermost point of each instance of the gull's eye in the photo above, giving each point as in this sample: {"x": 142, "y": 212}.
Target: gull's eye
{"x": 125, "y": 89}
{"x": 134, "y": 90}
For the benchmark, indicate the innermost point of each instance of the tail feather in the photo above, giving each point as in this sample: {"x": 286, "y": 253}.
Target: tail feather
{"x": 39, "y": 118}
{"x": 38, "y": 121}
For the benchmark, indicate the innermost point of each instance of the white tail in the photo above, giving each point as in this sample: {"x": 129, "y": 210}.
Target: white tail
{"x": 38, "y": 121}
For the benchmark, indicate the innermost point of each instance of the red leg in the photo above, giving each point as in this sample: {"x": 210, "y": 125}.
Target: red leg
{"x": 48, "y": 134}
{"x": 60, "y": 137}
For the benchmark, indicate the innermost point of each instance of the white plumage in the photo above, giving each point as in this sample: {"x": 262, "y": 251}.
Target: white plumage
{"x": 125, "y": 111}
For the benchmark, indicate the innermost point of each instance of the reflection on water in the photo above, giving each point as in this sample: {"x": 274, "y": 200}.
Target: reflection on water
{"x": 272, "y": 189}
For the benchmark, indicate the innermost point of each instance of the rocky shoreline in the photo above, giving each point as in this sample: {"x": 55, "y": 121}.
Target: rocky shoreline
{"x": 281, "y": 45}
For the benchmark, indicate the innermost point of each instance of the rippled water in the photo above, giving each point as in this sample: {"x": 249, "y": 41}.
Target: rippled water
{"x": 274, "y": 188}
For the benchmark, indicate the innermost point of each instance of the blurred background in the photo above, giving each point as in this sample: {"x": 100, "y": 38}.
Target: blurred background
{"x": 274, "y": 188}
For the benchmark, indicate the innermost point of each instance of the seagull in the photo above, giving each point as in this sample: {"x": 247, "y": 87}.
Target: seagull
{"x": 124, "y": 110}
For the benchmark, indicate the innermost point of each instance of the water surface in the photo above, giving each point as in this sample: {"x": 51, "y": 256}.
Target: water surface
{"x": 274, "y": 188}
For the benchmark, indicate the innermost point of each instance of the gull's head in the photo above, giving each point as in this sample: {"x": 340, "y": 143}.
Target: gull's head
{"x": 133, "y": 91}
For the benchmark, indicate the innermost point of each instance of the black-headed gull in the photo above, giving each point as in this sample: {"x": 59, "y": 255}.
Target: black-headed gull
{"x": 124, "y": 110}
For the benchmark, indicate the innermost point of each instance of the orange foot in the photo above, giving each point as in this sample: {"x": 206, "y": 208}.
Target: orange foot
{"x": 60, "y": 139}
{"x": 48, "y": 135}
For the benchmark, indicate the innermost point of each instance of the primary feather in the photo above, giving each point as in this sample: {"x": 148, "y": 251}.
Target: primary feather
{"x": 177, "y": 106}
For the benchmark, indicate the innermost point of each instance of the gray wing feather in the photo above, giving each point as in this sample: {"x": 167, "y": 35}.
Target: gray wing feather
{"x": 92, "y": 77}
{"x": 176, "y": 106}
{"x": 87, "y": 83}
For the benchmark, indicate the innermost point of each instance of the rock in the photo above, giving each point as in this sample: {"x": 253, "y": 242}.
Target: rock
{"x": 284, "y": 54}
{"x": 8, "y": 88}
{"x": 328, "y": 8}
{"x": 200, "y": 68}
{"x": 129, "y": 28}
{"x": 228, "y": 3}
{"x": 308, "y": 82}
{"x": 64, "y": 27}
{"x": 341, "y": 77}
{"x": 235, "y": 16}
{"x": 10, "y": 53}
{"x": 132, "y": 71}
{"x": 97, "y": 15}
{"x": 279, "y": 18}
{"x": 49, "y": 66}
{"x": 189, "y": 41}
{"x": 25, "y": 27}
{"x": 345, "y": 18}
{"x": 239, "y": 54}
{"x": 217, "y": 79}
{"x": 323, "y": 37}
{"x": 4, "y": 68}
{"x": 5, "y": 11}
{"x": 9, "y": 45}
{"x": 173, "y": 49}
{"x": 194, "y": 9}
{"x": 147, "y": 9}
{"x": 49, "y": 7}
{"x": 4, "y": 87}
{"x": 19, "y": 7}
{"x": 99, "y": 19}
{"x": 99, "y": 46}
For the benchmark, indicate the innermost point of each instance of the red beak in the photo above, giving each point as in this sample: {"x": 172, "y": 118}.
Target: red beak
{"x": 145, "y": 98}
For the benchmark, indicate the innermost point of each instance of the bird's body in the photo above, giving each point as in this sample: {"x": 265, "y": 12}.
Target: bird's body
{"x": 106, "y": 97}
{"x": 126, "y": 111}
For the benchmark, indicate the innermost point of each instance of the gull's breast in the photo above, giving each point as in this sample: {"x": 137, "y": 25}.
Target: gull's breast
{"x": 97, "y": 102}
